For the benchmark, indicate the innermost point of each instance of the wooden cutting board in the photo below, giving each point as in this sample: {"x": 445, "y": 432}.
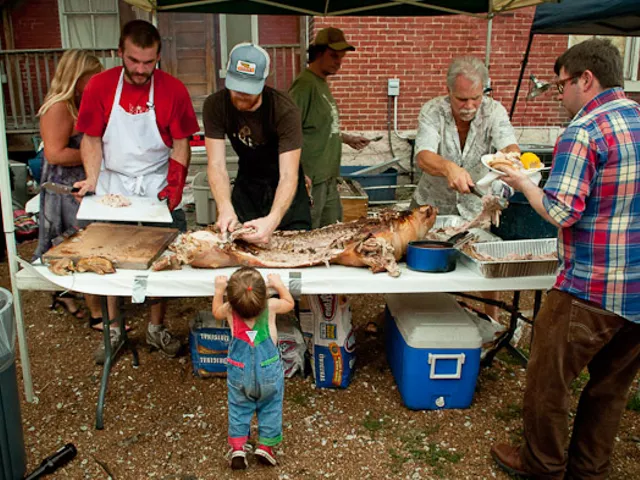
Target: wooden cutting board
{"x": 127, "y": 246}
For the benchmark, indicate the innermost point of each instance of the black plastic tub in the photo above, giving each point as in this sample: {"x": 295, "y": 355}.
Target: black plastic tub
{"x": 519, "y": 221}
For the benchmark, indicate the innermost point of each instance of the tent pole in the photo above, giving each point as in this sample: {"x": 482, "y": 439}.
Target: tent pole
{"x": 525, "y": 60}
{"x": 12, "y": 254}
{"x": 487, "y": 51}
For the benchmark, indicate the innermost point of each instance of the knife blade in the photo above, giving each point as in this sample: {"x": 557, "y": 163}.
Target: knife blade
{"x": 59, "y": 188}
{"x": 475, "y": 192}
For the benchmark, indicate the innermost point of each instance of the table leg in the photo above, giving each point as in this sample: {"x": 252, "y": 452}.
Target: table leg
{"x": 505, "y": 341}
{"x": 537, "y": 302}
{"x": 106, "y": 324}
{"x": 110, "y": 356}
{"x": 513, "y": 309}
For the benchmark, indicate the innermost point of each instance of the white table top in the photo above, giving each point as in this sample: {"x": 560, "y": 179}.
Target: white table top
{"x": 193, "y": 282}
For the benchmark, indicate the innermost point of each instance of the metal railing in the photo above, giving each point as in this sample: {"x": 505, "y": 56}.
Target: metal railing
{"x": 26, "y": 76}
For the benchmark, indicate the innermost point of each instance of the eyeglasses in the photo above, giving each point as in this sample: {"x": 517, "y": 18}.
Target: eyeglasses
{"x": 560, "y": 83}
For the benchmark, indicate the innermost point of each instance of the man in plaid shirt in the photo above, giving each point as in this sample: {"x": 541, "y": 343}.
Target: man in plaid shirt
{"x": 591, "y": 317}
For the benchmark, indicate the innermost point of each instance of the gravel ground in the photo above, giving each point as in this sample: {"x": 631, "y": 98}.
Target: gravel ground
{"x": 161, "y": 422}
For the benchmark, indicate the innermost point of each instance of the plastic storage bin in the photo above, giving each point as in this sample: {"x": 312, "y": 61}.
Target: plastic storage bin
{"x": 433, "y": 349}
{"x": 388, "y": 177}
{"x": 12, "y": 454}
{"x": 205, "y": 204}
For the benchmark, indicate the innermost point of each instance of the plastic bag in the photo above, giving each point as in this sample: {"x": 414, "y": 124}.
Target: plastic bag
{"x": 290, "y": 344}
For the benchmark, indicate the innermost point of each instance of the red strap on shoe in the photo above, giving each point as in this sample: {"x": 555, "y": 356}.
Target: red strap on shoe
{"x": 176, "y": 178}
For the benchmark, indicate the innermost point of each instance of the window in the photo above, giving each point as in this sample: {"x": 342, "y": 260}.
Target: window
{"x": 631, "y": 57}
{"x": 630, "y": 49}
{"x": 235, "y": 29}
{"x": 89, "y": 24}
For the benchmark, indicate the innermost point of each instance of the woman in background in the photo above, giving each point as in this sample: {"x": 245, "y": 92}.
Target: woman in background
{"x": 62, "y": 163}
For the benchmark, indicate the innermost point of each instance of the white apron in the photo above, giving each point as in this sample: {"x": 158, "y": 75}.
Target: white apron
{"x": 135, "y": 158}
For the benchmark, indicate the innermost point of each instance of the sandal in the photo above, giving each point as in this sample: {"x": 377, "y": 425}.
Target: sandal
{"x": 96, "y": 324}
{"x": 57, "y": 300}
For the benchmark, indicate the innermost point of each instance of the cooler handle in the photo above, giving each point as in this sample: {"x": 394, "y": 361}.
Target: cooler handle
{"x": 434, "y": 357}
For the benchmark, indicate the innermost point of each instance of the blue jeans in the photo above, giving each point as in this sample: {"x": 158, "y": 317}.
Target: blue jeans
{"x": 255, "y": 381}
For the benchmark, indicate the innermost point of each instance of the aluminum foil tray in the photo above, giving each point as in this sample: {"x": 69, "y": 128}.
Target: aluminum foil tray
{"x": 513, "y": 268}
{"x": 446, "y": 221}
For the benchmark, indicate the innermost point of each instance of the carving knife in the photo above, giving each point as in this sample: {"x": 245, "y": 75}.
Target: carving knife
{"x": 59, "y": 188}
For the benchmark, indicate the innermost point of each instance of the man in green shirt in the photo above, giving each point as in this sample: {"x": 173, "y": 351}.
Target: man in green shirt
{"x": 322, "y": 140}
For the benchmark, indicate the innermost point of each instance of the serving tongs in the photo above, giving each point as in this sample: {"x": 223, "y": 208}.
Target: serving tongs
{"x": 460, "y": 239}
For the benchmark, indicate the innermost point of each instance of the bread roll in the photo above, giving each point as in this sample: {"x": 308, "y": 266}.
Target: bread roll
{"x": 502, "y": 164}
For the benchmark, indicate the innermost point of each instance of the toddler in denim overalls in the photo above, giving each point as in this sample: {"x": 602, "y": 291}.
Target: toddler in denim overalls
{"x": 255, "y": 377}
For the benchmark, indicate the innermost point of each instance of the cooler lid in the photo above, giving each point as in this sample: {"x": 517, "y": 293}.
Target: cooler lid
{"x": 421, "y": 302}
{"x": 433, "y": 321}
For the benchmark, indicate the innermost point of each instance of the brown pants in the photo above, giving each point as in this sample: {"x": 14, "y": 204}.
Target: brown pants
{"x": 570, "y": 334}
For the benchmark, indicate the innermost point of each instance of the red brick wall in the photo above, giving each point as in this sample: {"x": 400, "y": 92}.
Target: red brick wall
{"x": 36, "y": 24}
{"x": 418, "y": 50}
{"x": 278, "y": 29}
{"x": 634, "y": 96}
{"x": 285, "y": 62}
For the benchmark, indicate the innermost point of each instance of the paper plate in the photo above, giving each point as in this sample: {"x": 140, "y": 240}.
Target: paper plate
{"x": 485, "y": 159}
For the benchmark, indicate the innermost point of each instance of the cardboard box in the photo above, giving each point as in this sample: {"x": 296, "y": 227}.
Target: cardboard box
{"x": 353, "y": 198}
{"x": 433, "y": 348}
{"x": 209, "y": 345}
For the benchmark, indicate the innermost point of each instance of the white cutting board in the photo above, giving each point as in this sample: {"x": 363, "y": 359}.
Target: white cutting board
{"x": 142, "y": 209}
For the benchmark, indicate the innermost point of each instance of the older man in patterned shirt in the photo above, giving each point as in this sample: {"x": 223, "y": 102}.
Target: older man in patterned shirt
{"x": 591, "y": 318}
{"x": 454, "y": 132}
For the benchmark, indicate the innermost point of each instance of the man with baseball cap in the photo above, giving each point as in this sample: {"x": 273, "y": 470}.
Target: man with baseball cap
{"x": 322, "y": 139}
{"x": 263, "y": 126}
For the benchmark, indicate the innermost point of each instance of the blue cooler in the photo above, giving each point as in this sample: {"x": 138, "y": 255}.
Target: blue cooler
{"x": 433, "y": 348}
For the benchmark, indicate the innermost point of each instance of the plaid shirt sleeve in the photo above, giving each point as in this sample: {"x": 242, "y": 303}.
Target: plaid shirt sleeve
{"x": 569, "y": 183}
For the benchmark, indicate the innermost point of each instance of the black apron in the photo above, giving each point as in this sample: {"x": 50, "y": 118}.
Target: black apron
{"x": 259, "y": 171}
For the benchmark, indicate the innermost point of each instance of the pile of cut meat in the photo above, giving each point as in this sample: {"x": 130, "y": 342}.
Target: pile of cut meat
{"x": 65, "y": 266}
{"x": 115, "y": 200}
{"x": 510, "y": 257}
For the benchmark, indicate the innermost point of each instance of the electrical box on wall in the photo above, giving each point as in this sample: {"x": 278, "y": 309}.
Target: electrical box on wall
{"x": 393, "y": 87}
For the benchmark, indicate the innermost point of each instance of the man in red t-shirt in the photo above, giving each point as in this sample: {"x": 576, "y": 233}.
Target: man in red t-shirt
{"x": 136, "y": 122}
